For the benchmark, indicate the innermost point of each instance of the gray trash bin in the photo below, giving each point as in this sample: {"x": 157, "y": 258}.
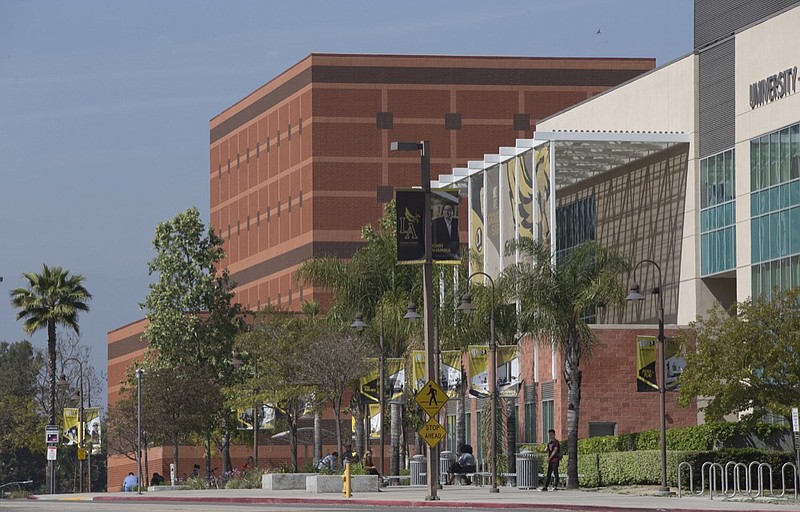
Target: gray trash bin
{"x": 418, "y": 465}
{"x": 446, "y": 459}
{"x": 527, "y": 475}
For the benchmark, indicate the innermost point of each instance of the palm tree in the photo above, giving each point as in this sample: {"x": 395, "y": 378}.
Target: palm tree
{"x": 53, "y": 297}
{"x": 556, "y": 301}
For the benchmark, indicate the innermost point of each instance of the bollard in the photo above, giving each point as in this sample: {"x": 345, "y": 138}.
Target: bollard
{"x": 346, "y": 489}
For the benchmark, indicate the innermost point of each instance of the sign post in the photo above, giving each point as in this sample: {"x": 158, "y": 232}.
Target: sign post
{"x": 796, "y": 432}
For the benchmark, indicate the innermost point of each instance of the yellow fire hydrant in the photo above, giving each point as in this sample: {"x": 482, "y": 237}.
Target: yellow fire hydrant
{"x": 346, "y": 491}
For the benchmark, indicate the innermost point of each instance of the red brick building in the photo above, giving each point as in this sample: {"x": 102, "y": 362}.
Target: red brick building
{"x": 301, "y": 164}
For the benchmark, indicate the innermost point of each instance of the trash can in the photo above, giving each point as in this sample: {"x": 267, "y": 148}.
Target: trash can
{"x": 527, "y": 474}
{"x": 418, "y": 465}
{"x": 446, "y": 459}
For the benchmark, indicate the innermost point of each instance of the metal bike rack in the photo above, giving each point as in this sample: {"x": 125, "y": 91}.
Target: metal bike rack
{"x": 783, "y": 479}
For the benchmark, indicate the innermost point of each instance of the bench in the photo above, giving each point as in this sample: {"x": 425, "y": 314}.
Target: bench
{"x": 478, "y": 478}
{"x": 397, "y": 479}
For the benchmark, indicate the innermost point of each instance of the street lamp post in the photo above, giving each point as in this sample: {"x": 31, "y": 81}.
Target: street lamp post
{"x": 139, "y": 374}
{"x": 237, "y": 363}
{"x": 81, "y": 419}
{"x": 467, "y": 306}
{"x": 427, "y": 271}
{"x": 636, "y": 294}
{"x": 359, "y": 324}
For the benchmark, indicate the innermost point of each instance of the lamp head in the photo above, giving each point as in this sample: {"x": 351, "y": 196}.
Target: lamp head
{"x": 635, "y": 293}
{"x": 466, "y": 303}
{"x": 359, "y": 324}
{"x": 405, "y": 146}
{"x": 411, "y": 312}
{"x": 62, "y": 381}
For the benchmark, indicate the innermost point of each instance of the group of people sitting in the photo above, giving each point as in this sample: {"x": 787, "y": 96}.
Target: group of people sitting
{"x": 329, "y": 462}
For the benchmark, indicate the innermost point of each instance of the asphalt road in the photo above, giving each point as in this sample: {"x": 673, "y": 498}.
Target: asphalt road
{"x": 88, "y": 506}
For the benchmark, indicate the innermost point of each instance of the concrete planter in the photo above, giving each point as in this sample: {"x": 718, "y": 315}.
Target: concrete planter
{"x": 284, "y": 481}
{"x": 333, "y": 483}
{"x": 159, "y": 488}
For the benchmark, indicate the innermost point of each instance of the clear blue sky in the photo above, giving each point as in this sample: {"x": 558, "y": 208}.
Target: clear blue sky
{"x": 105, "y": 105}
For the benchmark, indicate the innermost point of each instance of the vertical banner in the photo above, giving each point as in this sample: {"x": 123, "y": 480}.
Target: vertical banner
{"x": 542, "y": 196}
{"x": 445, "y": 239}
{"x": 368, "y": 384}
{"x": 524, "y": 190}
{"x": 449, "y": 371}
{"x": 646, "y": 356}
{"x": 395, "y": 377}
{"x": 70, "y": 426}
{"x": 476, "y": 230}
{"x": 492, "y": 221}
{"x": 478, "y": 373}
{"x": 410, "y": 232}
{"x": 508, "y": 380}
{"x": 375, "y": 420}
{"x": 508, "y": 211}
{"x": 92, "y": 433}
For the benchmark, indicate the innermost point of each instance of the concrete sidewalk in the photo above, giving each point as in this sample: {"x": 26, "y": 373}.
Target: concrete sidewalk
{"x": 454, "y": 497}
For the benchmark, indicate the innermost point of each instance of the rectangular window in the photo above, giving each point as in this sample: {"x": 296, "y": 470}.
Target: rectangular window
{"x": 278, "y": 138}
{"x": 468, "y": 427}
{"x": 289, "y": 132}
{"x": 451, "y": 432}
{"x": 300, "y": 198}
{"x": 290, "y": 204}
{"x": 548, "y": 417}
{"x": 248, "y": 155}
{"x": 258, "y": 145}
{"x": 479, "y": 438}
{"x": 598, "y": 429}
{"x": 266, "y": 145}
{"x": 529, "y": 436}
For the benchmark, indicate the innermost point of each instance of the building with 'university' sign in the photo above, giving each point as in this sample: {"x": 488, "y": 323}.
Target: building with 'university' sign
{"x": 694, "y": 165}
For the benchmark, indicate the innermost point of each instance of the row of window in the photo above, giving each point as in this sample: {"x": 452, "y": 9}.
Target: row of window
{"x": 776, "y": 235}
{"x": 576, "y": 223}
{"x": 775, "y": 275}
{"x": 267, "y": 216}
{"x": 775, "y": 158}
{"x": 717, "y": 181}
{"x": 717, "y": 213}
{"x": 257, "y": 150}
{"x": 775, "y": 198}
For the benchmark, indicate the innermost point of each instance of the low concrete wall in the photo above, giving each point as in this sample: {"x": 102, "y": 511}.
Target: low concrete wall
{"x": 284, "y": 481}
{"x": 333, "y": 483}
{"x": 158, "y": 488}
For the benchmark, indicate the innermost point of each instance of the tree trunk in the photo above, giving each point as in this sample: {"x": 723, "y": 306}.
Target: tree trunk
{"x": 337, "y": 406}
{"x": 461, "y": 424}
{"x": 317, "y": 438}
{"x": 293, "y": 438}
{"x": 394, "y": 459}
{"x": 225, "y": 450}
{"x": 175, "y": 454}
{"x": 511, "y": 434}
{"x": 358, "y": 415}
{"x": 572, "y": 376}
{"x": 51, "y": 370}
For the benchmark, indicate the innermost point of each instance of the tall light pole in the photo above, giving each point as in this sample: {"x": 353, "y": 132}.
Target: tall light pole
{"x": 359, "y": 324}
{"x": 81, "y": 417}
{"x": 636, "y": 294}
{"x": 467, "y": 306}
{"x": 237, "y": 362}
{"x": 431, "y": 371}
{"x": 139, "y": 374}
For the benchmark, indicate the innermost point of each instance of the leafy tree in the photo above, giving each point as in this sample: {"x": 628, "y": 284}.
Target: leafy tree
{"x": 191, "y": 314}
{"x": 344, "y": 363}
{"x": 21, "y": 425}
{"x": 746, "y": 359}
{"x": 555, "y": 299}
{"x": 275, "y": 349}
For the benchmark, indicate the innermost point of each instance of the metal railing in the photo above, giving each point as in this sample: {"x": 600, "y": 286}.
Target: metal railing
{"x": 19, "y": 485}
{"x": 738, "y": 478}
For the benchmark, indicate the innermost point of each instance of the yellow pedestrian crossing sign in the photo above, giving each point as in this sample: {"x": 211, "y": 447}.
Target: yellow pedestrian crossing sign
{"x": 432, "y": 432}
{"x": 431, "y": 398}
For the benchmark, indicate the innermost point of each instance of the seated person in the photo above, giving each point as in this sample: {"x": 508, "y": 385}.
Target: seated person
{"x": 328, "y": 462}
{"x": 130, "y": 482}
{"x": 157, "y": 479}
{"x": 463, "y": 465}
{"x": 349, "y": 455}
{"x": 368, "y": 465}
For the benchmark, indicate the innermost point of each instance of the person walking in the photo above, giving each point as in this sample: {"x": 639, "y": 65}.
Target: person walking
{"x": 553, "y": 459}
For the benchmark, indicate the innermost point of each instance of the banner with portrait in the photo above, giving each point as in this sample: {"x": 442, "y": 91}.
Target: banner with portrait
{"x": 491, "y": 239}
{"x": 395, "y": 372}
{"x": 646, "y": 363}
{"x": 266, "y": 418}
{"x": 449, "y": 371}
{"x": 542, "y": 196}
{"x": 445, "y": 238}
{"x": 508, "y": 370}
{"x": 476, "y": 229}
{"x": 70, "y": 430}
{"x": 369, "y": 384}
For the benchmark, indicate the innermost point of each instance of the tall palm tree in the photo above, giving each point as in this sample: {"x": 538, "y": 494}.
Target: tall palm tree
{"x": 556, "y": 300}
{"x": 52, "y": 298}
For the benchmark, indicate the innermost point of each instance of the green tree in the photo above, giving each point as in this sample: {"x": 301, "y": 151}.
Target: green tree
{"x": 745, "y": 359}
{"x": 275, "y": 349}
{"x": 344, "y": 363}
{"x": 21, "y": 425}
{"x": 192, "y": 318}
{"x": 52, "y": 298}
{"x": 555, "y": 300}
